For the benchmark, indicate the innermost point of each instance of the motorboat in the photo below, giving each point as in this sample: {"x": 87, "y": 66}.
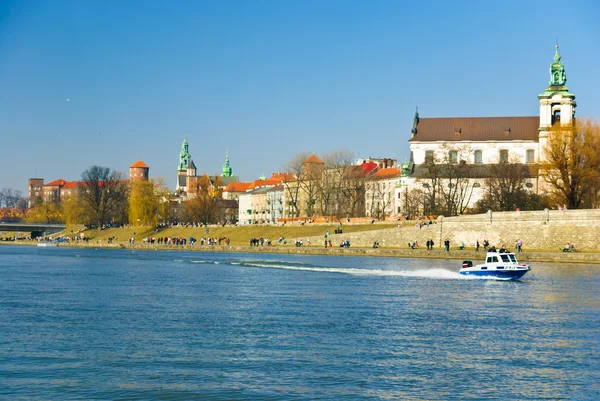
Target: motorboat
{"x": 500, "y": 265}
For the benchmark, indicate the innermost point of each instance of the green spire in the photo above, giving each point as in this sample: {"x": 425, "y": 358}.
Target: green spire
{"x": 184, "y": 156}
{"x": 227, "y": 171}
{"x": 558, "y": 77}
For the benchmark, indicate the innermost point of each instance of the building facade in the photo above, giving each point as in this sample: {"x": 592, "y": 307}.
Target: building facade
{"x": 484, "y": 141}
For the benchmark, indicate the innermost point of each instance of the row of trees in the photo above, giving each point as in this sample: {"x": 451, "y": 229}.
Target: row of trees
{"x": 12, "y": 198}
{"x": 568, "y": 175}
{"x": 103, "y": 197}
{"x": 334, "y": 188}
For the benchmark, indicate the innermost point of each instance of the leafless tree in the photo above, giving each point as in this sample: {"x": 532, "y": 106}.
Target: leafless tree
{"x": 101, "y": 190}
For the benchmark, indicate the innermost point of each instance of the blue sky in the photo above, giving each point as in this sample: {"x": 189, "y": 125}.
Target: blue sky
{"x": 267, "y": 79}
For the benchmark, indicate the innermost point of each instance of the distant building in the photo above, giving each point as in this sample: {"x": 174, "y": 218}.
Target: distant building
{"x": 187, "y": 174}
{"x": 59, "y": 190}
{"x": 139, "y": 171}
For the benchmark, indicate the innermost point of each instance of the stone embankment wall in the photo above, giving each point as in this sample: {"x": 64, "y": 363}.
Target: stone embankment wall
{"x": 539, "y": 230}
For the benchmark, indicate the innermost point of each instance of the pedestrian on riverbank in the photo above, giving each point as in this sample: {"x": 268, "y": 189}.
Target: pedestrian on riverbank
{"x": 477, "y": 246}
{"x": 447, "y": 245}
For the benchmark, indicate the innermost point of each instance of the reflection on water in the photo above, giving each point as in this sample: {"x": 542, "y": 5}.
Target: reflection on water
{"x": 108, "y": 324}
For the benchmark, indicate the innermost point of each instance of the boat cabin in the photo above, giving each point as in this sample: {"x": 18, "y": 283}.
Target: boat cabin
{"x": 493, "y": 257}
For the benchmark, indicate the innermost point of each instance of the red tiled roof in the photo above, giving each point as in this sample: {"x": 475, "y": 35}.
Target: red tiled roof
{"x": 70, "y": 185}
{"x": 263, "y": 183}
{"x": 236, "y": 187}
{"x": 56, "y": 183}
{"x": 477, "y": 129}
{"x": 139, "y": 164}
{"x": 367, "y": 167}
{"x": 387, "y": 173}
{"x": 314, "y": 159}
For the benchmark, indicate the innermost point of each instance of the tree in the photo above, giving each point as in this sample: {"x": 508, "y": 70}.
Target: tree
{"x": 506, "y": 186}
{"x": 449, "y": 188}
{"x": 294, "y": 168}
{"x": 143, "y": 204}
{"x": 101, "y": 190}
{"x": 10, "y": 197}
{"x": 46, "y": 212}
{"x": 330, "y": 188}
{"x": 74, "y": 211}
{"x": 572, "y": 164}
{"x": 203, "y": 206}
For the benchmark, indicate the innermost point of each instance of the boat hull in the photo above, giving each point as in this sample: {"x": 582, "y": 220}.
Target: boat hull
{"x": 499, "y": 274}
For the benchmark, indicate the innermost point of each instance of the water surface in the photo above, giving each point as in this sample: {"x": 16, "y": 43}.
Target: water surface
{"x": 116, "y": 324}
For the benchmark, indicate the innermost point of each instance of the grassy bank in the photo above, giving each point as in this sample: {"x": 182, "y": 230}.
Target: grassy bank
{"x": 239, "y": 236}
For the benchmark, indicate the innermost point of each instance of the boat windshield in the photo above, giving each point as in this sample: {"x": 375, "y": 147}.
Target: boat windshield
{"x": 505, "y": 258}
{"x": 512, "y": 257}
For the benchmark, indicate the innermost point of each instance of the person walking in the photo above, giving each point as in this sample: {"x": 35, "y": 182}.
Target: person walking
{"x": 477, "y": 246}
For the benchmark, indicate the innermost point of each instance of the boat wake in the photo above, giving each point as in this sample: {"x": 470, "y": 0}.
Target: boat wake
{"x": 433, "y": 273}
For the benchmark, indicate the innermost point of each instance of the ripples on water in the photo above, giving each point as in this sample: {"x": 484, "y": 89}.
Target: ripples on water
{"x": 108, "y": 324}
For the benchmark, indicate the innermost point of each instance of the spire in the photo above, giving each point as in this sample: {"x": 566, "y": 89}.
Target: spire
{"x": 184, "y": 155}
{"x": 415, "y": 122}
{"x": 227, "y": 171}
{"x": 558, "y": 76}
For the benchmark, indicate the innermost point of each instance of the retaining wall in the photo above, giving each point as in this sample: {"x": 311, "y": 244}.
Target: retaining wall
{"x": 539, "y": 230}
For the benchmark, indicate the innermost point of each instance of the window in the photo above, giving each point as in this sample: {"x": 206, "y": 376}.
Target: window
{"x": 503, "y": 155}
{"x": 529, "y": 185}
{"x": 429, "y": 156}
{"x": 556, "y": 117}
{"x": 478, "y": 156}
{"x": 530, "y": 156}
{"x": 477, "y": 185}
{"x": 453, "y": 155}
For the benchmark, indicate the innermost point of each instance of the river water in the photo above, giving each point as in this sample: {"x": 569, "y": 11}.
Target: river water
{"x": 159, "y": 325}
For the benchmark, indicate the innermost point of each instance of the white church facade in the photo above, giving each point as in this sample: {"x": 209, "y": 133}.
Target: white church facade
{"x": 483, "y": 141}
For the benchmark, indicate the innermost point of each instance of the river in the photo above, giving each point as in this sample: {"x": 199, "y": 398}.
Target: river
{"x": 171, "y": 325}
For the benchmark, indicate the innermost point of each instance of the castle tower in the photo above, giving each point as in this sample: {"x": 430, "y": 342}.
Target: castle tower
{"x": 184, "y": 161}
{"x": 227, "y": 171}
{"x": 557, "y": 105}
{"x": 34, "y": 186}
{"x": 138, "y": 171}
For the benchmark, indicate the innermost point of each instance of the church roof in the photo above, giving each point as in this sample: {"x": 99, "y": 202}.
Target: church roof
{"x": 455, "y": 129}
{"x": 191, "y": 164}
{"x": 139, "y": 164}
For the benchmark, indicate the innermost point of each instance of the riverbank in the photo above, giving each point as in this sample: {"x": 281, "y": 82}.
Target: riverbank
{"x": 529, "y": 256}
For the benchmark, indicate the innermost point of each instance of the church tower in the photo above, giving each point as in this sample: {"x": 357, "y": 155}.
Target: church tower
{"x": 184, "y": 161}
{"x": 227, "y": 171}
{"x": 557, "y": 105}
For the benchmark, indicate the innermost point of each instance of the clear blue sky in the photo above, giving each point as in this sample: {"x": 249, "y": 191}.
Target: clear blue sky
{"x": 267, "y": 79}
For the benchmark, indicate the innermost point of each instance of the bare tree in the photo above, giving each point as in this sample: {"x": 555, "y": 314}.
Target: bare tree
{"x": 331, "y": 185}
{"x": 295, "y": 168}
{"x": 204, "y": 204}
{"x": 10, "y": 197}
{"x": 101, "y": 190}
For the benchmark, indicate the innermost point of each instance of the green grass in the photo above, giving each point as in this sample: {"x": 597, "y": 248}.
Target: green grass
{"x": 238, "y": 235}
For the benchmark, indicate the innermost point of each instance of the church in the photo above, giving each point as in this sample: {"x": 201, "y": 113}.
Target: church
{"x": 187, "y": 176}
{"x": 484, "y": 141}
